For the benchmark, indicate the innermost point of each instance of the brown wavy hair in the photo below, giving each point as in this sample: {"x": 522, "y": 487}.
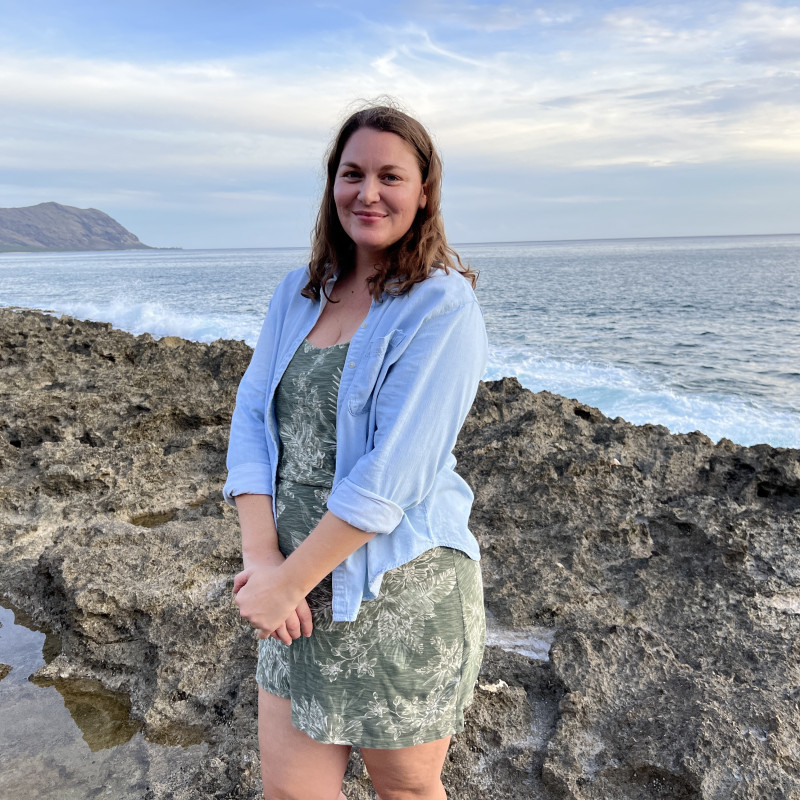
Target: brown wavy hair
{"x": 412, "y": 258}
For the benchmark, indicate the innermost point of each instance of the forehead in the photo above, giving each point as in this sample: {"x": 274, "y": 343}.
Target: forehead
{"x": 379, "y": 148}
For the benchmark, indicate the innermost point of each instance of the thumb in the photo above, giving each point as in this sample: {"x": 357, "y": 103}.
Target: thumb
{"x": 241, "y": 579}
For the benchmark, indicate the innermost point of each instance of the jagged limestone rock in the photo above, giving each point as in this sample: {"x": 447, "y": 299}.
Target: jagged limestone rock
{"x": 664, "y": 569}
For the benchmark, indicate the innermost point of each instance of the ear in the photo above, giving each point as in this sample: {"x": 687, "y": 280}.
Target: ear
{"x": 423, "y": 197}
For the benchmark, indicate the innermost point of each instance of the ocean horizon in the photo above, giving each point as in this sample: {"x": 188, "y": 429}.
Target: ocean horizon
{"x": 694, "y": 333}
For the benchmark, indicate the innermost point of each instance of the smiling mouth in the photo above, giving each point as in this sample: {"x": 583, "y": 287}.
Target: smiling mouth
{"x": 368, "y": 215}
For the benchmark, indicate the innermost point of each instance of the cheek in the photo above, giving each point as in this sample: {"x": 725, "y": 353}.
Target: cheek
{"x": 413, "y": 204}
{"x": 337, "y": 196}
{"x": 340, "y": 201}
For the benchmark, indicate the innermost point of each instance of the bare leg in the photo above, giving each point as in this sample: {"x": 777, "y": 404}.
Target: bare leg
{"x": 409, "y": 773}
{"x": 294, "y": 766}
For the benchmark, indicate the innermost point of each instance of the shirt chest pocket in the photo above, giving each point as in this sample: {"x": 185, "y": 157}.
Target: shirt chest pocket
{"x": 377, "y": 360}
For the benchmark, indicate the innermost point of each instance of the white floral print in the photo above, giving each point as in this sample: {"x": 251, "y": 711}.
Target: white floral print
{"x": 403, "y": 672}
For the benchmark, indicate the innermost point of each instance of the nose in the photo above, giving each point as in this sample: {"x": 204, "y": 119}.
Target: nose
{"x": 370, "y": 191}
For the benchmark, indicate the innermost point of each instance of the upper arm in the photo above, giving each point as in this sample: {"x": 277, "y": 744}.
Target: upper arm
{"x": 248, "y": 462}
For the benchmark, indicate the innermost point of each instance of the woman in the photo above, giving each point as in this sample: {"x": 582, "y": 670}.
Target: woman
{"x": 360, "y": 573}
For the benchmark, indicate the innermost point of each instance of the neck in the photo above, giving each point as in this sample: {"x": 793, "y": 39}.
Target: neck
{"x": 351, "y": 284}
{"x": 366, "y": 263}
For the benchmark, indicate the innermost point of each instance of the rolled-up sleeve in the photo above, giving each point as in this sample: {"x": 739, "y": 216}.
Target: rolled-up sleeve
{"x": 419, "y": 409}
{"x": 248, "y": 461}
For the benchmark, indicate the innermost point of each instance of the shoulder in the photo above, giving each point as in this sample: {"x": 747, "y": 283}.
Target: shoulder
{"x": 443, "y": 304}
{"x": 442, "y": 292}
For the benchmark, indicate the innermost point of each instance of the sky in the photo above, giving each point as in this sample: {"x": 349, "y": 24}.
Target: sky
{"x": 204, "y": 124}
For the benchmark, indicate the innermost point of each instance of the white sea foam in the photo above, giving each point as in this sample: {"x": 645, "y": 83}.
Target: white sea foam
{"x": 640, "y": 398}
{"x": 701, "y": 337}
{"x": 159, "y": 319}
{"x": 616, "y": 391}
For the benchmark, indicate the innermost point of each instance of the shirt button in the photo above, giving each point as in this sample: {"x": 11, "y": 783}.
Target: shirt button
{"x": 351, "y": 364}
{"x": 363, "y": 324}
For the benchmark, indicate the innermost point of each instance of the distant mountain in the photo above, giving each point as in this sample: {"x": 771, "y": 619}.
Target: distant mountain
{"x": 51, "y": 226}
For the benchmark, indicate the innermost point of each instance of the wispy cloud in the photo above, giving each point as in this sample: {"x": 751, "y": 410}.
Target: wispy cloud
{"x": 641, "y": 75}
{"x": 499, "y": 17}
{"x": 510, "y": 87}
{"x": 769, "y": 35}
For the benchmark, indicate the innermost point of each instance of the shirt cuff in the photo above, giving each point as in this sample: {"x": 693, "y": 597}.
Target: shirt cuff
{"x": 253, "y": 478}
{"x": 362, "y": 509}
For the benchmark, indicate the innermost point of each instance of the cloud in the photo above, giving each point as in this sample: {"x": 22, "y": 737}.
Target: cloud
{"x": 654, "y": 85}
{"x": 651, "y": 30}
{"x": 494, "y": 18}
{"x": 768, "y": 34}
{"x": 507, "y": 89}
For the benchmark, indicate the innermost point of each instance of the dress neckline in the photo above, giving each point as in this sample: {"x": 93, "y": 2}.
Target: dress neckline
{"x": 329, "y": 347}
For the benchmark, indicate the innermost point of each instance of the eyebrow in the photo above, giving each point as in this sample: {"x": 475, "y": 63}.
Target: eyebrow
{"x": 395, "y": 167}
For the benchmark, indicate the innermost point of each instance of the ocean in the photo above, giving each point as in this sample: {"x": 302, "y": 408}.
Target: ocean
{"x": 698, "y": 333}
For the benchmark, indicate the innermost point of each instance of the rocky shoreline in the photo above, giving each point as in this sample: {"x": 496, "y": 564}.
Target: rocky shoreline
{"x": 664, "y": 569}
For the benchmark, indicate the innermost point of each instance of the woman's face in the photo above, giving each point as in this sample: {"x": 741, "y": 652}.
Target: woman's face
{"x": 378, "y": 190}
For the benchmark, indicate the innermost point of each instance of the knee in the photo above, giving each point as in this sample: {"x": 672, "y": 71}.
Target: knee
{"x": 273, "y": 792}
{"x": 281, "y": 787}
{"x": 283, "y": 793}
{"x": 408, "y": 788}
{"x": 275, "y": 788}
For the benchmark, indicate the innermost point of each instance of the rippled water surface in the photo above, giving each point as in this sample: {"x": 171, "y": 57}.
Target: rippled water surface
{"x": 695, "y": 333}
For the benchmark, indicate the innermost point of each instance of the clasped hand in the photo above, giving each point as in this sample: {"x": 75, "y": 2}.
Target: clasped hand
{"x": 269, "y": 605}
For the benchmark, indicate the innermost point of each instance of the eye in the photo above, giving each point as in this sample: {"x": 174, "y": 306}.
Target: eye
{"x": 350, "y": 174}
{"x": 390, "y": 178}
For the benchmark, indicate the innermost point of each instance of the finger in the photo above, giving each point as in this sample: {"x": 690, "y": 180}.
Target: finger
{"x": 293, "y": 625}
{"x": 306, "y": 621}
{"x": 282, "y": 634}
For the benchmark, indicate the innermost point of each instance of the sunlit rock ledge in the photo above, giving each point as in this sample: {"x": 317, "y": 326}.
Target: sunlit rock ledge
{"x": 644, "y": 588}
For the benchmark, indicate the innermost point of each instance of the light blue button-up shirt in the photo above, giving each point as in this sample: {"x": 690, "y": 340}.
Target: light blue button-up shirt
{"x": 409, "y": 380}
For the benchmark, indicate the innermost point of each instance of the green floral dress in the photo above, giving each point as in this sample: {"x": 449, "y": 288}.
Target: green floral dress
{"x": 404, "y": 670}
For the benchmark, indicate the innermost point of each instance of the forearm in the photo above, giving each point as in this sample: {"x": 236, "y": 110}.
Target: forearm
{"x": 330, "y": 543}
{"x": 268, "y": 593}
{"x": 259, "y": 536}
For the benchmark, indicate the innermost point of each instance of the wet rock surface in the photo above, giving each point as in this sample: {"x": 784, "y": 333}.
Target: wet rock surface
{"x": 665, "y": 568}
